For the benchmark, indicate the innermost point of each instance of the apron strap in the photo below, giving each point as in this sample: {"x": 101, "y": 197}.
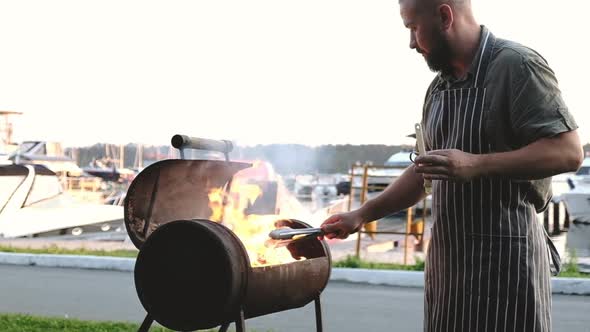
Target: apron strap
{"x": 489, "y": 41}
{"x": 553, "y": 255}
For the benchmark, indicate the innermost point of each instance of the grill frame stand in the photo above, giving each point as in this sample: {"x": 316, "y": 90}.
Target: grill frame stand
{"x": 147, "y": 323}
{"x": 184, "y": 142}
{"x": 241, "y": 322}
{"x": 318, "y": 315}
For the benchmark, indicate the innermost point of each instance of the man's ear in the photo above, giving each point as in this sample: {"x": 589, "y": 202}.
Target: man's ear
{"x": 445, "y": 13}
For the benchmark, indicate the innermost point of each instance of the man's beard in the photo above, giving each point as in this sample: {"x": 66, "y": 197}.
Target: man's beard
{"x": 439, "y": 57}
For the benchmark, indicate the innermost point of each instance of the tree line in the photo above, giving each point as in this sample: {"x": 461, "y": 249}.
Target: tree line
{"x": 286, "y": 158}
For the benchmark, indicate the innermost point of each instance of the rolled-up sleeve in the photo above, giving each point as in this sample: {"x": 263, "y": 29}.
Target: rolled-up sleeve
{"x": 537, "y": 109}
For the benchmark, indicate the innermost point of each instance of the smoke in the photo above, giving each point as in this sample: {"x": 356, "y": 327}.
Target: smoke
{"x": 286, "y": 158}
{"x": 290, "y": 159}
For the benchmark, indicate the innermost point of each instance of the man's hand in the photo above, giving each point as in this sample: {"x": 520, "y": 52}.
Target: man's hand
{"x": 342, "y": 225}
{"x": 451, "y": 165}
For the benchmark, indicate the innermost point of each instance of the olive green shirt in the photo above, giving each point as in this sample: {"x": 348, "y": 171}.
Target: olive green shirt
{"x": 523, "y": 103}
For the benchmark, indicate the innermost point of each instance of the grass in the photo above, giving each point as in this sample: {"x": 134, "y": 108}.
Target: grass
{"x": 20, "y": 323}
{"x": 355, "y": 263}
{"x": 568, "y": 270}
{"x": 571, "y": 269}
{"x": 53, "y": 249}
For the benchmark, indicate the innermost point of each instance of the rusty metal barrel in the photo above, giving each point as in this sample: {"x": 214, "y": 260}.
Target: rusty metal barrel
{"x": 196, "y": 274}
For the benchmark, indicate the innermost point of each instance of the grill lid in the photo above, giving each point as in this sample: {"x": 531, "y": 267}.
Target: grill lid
{"x": 171, "y": 190}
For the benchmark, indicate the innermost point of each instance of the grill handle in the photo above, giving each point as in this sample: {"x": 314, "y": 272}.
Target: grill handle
{"x": 188, "y": 142}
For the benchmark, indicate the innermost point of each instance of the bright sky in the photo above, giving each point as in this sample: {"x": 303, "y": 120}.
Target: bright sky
{"x": 255, "y": 71}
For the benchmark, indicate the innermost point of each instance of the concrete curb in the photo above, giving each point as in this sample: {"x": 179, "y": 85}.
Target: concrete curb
{"x": 570, "y": 286}
{"x": 413, "y": 279}
{"x": 69, "y": 261}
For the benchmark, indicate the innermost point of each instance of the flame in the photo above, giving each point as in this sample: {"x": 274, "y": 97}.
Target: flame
{"x": 229, "y": 208}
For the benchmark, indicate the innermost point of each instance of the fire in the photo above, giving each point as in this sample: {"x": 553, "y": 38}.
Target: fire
{"x": 252, "y": 229}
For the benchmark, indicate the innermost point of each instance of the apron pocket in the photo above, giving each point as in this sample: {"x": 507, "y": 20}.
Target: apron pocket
{"x": 498, "y": 265}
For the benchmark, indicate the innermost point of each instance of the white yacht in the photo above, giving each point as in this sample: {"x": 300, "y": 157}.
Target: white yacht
{"x": 49, "y": 154}
{"x": 380, "y": 176}
{"x": 577, "y": 199}
{"x": 33, "y": 203}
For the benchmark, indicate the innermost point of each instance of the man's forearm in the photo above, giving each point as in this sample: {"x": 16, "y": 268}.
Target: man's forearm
{"x": 405, "y": 191}
{"x": 543, "y": 158}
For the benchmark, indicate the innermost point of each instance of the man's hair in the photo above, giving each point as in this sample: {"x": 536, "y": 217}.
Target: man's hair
{"x": 431, "y": 4}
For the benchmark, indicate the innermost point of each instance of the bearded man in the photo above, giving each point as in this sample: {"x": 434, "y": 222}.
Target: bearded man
{"x": 496, "y": 129}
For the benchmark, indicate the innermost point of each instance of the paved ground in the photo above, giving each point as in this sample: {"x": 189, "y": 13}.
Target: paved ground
{"x": 104, "y": 295}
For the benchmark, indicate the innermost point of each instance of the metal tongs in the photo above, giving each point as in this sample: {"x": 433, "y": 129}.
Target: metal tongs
{"x": 421, "y": 147}
{"x": 294, "y": 233}
{"x": 285, "y": 236}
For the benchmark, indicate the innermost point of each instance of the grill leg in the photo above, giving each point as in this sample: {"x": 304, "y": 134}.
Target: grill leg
{"x": 224, "y": 327}
{"x": 240, "y": 324}
{"x": 318, "y": 315}
{"x": 147, "y": 323}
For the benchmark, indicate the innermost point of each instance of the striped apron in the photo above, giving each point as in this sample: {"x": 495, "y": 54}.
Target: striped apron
{"x": 487, "y": 267}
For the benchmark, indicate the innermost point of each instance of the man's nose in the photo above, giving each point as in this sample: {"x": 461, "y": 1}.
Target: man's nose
{"x": 412, "y": 41}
